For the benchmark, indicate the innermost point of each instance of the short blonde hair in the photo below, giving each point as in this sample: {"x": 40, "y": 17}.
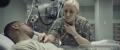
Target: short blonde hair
{"x": 73, "y": 2}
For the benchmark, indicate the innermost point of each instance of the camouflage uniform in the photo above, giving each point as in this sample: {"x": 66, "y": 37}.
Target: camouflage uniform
{"x": 81, "y": 25}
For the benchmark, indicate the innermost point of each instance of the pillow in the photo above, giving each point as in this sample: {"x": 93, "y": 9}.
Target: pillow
{"x": 5, "y": 42}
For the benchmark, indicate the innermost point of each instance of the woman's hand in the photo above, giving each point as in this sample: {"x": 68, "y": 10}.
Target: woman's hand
{"x": 70, "y": 29}
{"x": 49, "y": 38}
{"x": 43, "y": 37}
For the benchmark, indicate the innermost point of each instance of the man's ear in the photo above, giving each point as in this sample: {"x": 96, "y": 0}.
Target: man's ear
{"x": 15, "y": 26}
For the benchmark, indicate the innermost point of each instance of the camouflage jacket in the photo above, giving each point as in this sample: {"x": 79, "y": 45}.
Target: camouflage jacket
{"x": 81, "y": 25}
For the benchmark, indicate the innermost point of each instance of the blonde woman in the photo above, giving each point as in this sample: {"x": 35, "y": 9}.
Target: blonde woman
{"x": 71, "y": 29}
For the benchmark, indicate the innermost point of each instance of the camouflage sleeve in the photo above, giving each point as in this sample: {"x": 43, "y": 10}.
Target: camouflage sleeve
{"x": 85, "y": 29}
{"x": 87, "y": 32}
{"x": 55, "y": 27}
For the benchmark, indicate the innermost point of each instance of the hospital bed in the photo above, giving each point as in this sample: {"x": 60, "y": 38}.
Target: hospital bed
{"x": 96, "y": 45}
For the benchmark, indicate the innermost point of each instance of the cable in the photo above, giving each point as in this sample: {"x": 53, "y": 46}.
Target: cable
{"x": 29, "y": 14}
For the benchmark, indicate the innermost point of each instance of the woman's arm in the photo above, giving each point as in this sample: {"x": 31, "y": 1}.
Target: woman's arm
{"x": 79, "y": 39}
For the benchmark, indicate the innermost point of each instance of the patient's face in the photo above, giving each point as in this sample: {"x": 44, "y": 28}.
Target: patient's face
{"x": 26, "y": 29}
{"x": 70, "y": 12}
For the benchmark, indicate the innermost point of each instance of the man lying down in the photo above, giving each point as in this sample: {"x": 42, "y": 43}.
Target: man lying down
{"x": 21, "y": 35}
